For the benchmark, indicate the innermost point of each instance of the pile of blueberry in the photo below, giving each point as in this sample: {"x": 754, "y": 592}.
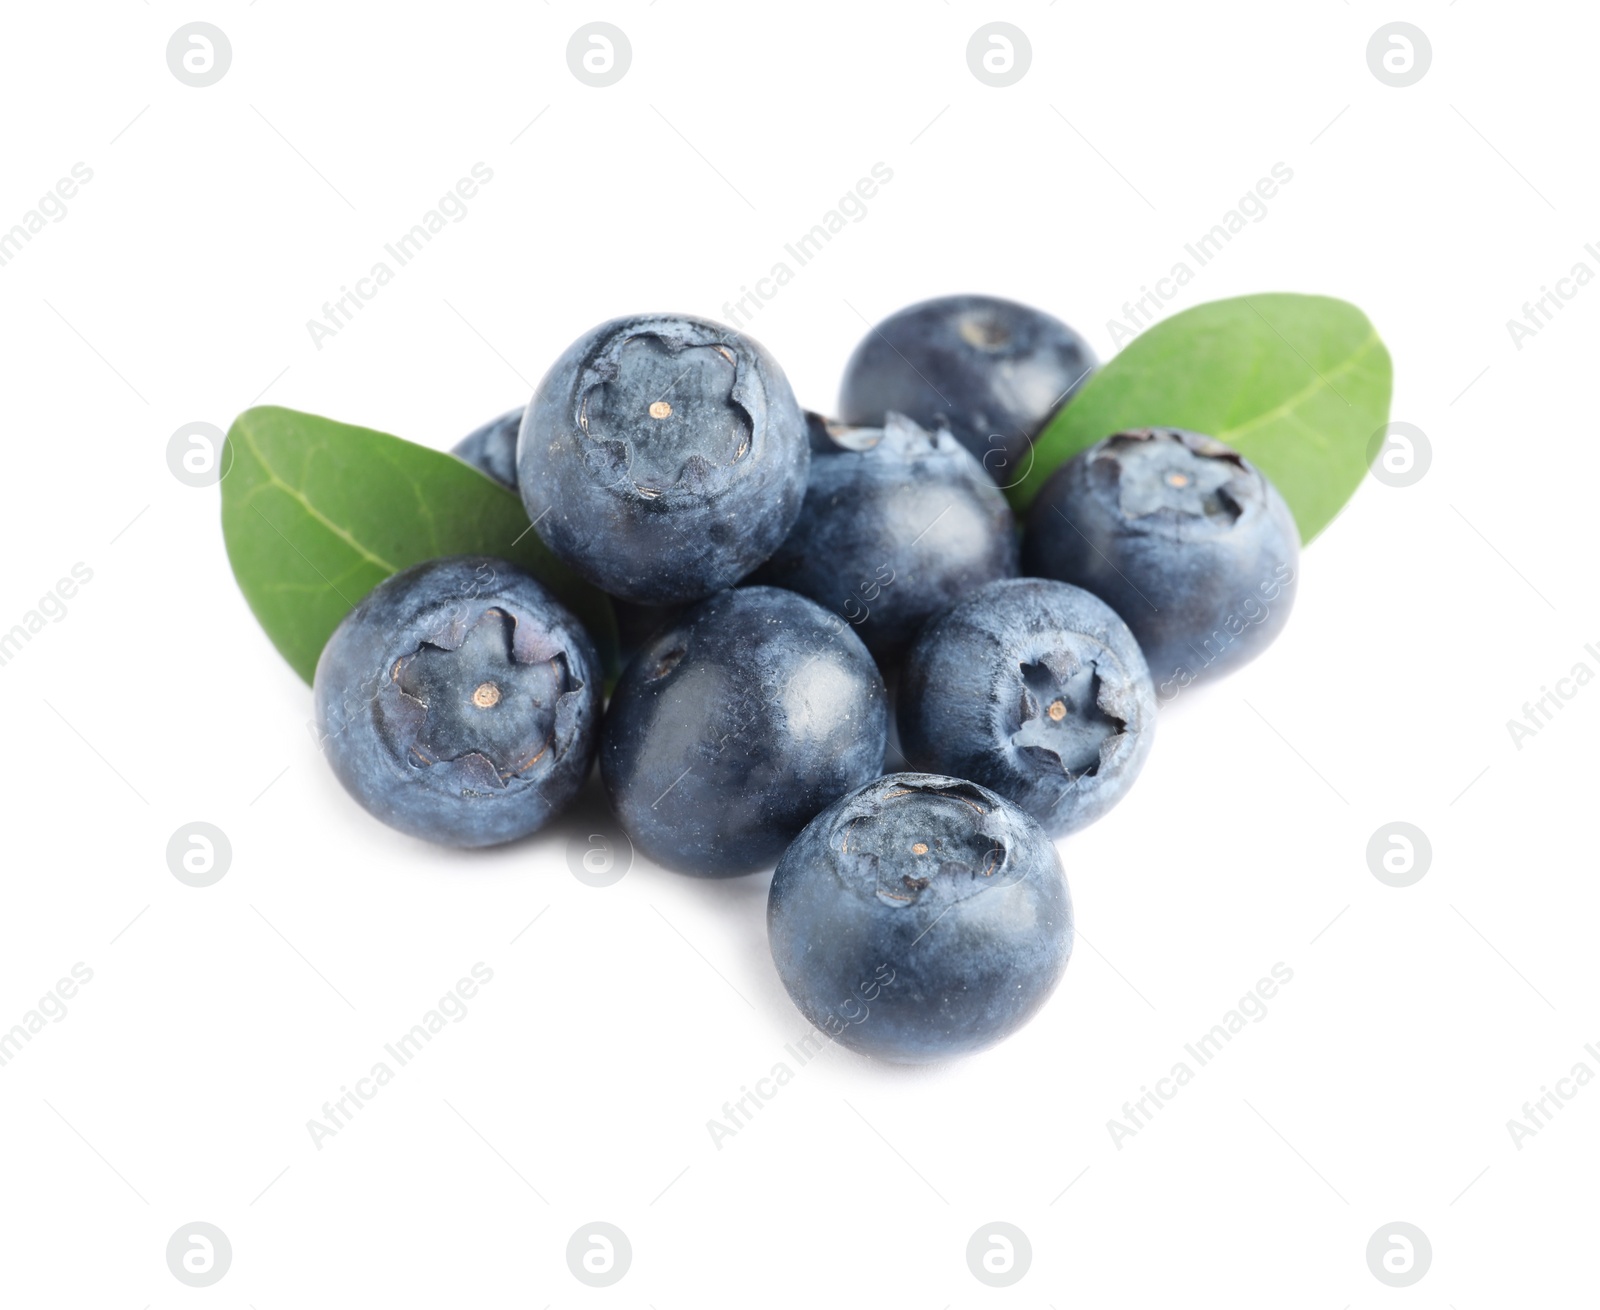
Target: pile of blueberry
{"x": 781, "y": 581}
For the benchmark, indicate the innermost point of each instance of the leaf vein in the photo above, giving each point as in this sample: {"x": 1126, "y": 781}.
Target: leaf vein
{"x": 1288, "y": 408}
{"x": 295, "y": 494}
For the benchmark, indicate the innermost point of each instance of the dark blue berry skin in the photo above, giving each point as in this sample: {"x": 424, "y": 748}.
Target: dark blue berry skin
{"x": 663, "y": 457}
{"x": 492, "y": 449}
{"x": 1183, "y": 537}
{"x": 920, "y": 918}
{"x": 990, "y": 370}
{"x": 734, "y": 725}
{"x": 459, "y": 702}
{"x": 1035, "y": 689}
{"x": 897, "y": 524}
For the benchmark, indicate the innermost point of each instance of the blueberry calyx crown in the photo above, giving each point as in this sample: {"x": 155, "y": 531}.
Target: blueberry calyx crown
{"x": 1173, "y": 474}
{"x": 481, "y": 703}
{"x": 921, "y": 841}
{"x": 662, "y": 411}
{"x": 1063, "y": 720}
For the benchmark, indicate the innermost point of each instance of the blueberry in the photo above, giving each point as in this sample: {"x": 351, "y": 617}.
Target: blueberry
{"x": 1183, "y": 537}
{"x": 459, "y": 702}
{"x": 897, "y": 524}
{"x": 991, "y": 370}
{"x": 920, "y": 917}
{"x": 1037, "y": 690}
{"x": 737, "y": 723}
{"x": 492, "y": 449}
{"x": 663, "y": 457}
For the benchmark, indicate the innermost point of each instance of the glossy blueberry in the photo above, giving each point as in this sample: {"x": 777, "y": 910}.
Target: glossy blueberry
{"x": 734, "y": 725}
{"x": 1037, "y": 690}
{"x": 459, "y": 702}
{"x": 492, "y": 449}
{"x": 663, "y": 457}
{"x": 919, "y": 918}
{"x": 1183, "y": 537}
{"x": 897, "y": 524}
{"x": 990, "y": 370}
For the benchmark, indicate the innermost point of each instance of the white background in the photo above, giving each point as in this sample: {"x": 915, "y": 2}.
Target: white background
{"x": 579, "y": 1085}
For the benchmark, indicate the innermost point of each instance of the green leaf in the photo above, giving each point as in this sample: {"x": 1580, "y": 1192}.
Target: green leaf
{"x": 316, "y": 513}
{"x": 1298, "y": 385}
